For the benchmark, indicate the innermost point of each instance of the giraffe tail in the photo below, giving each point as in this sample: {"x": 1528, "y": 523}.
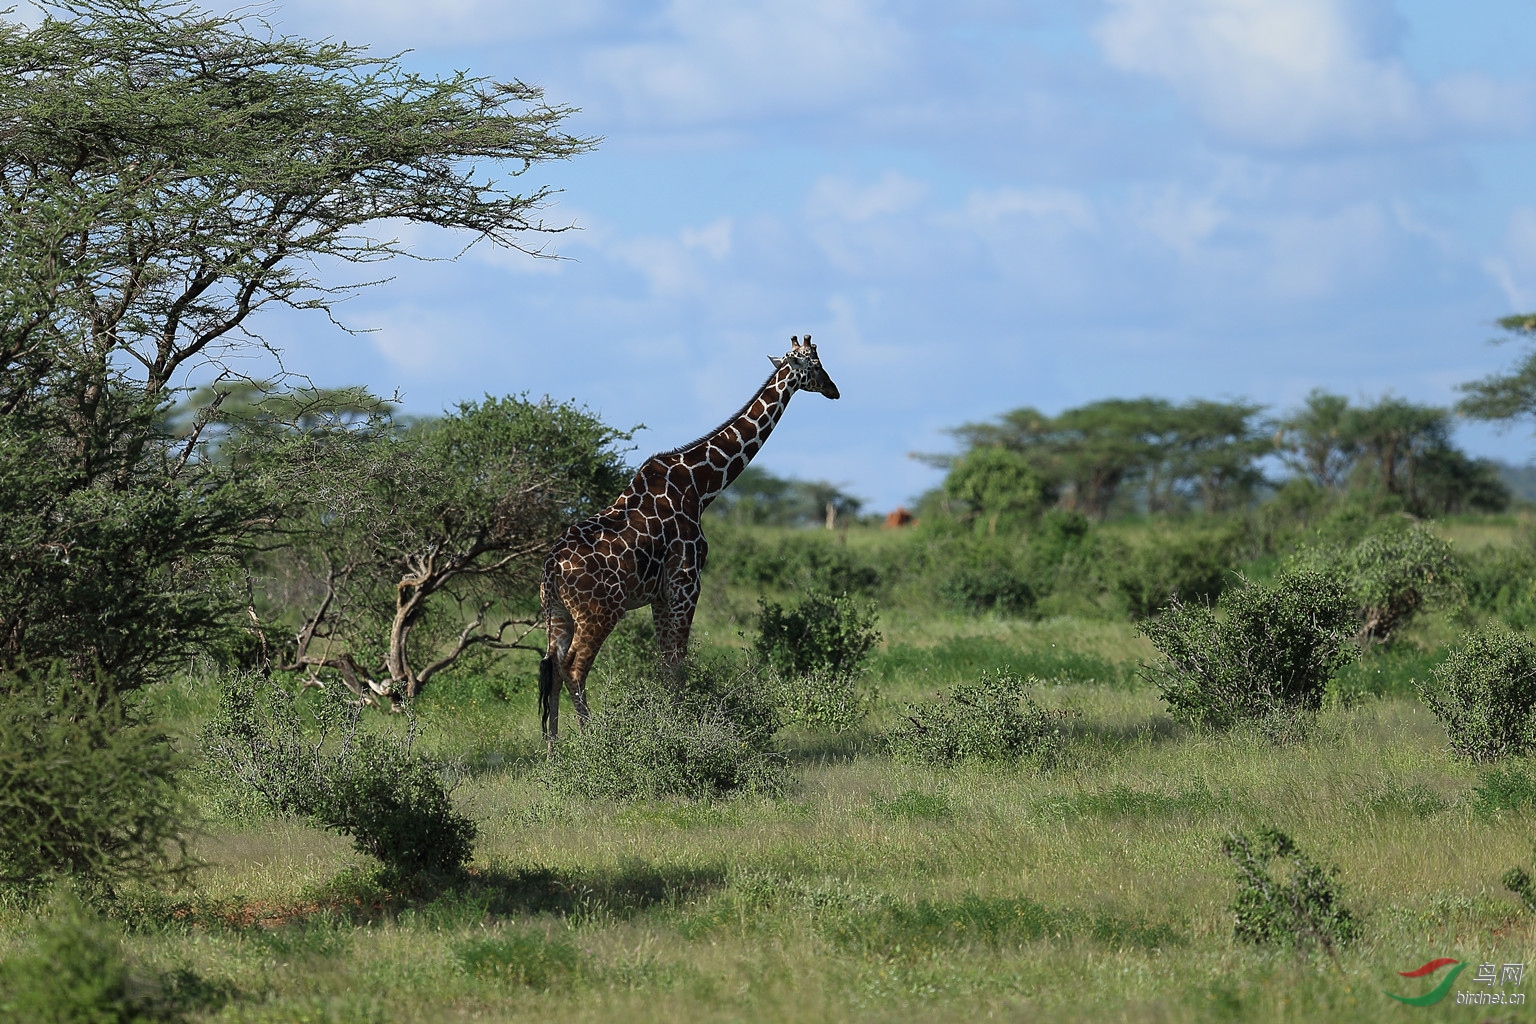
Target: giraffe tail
{"x": 549, "y": 692}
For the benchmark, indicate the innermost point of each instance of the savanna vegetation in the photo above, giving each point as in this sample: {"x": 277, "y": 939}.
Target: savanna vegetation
{"x": 1158, "y": 711}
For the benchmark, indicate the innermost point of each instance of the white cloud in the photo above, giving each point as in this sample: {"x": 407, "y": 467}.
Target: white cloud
{"x": 870, "y": 229}
{"x": 714, "y": 238}
{"x": 986, "y": 209}
{"x": 842, "y": 199}
{"x": 677, "y": 265}
{"x": 713, "y": 61}
{"x": 424, "y": 342}
{"x": 1288, "y": 73}
{"x": 1182, "y": 222}
{"x": 1514, "y": 268}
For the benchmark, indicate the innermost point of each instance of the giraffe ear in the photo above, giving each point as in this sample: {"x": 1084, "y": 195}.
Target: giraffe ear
{"x": 776, "y": 361}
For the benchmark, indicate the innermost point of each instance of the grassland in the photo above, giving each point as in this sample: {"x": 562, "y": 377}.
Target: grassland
{"x": 877, "y": 890}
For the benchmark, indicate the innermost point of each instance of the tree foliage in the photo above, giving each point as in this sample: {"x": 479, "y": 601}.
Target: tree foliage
{"x": 400, "y": 544}
{"x": 89, "y": 788}
{"x": 1397, "y": 450}
{"x": 1503, "y": 397}
{"x": 167, "y": 173}
{"x": 1315, "y": 440}
{"x": 1149, "y": 455}
{"x": 997, "y": 483}
{"x": 1394, "y": 572}
{"x": 164, "y": 175}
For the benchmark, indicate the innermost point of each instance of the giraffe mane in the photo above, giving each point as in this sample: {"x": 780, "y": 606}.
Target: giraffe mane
{"x": 728, "y": 421}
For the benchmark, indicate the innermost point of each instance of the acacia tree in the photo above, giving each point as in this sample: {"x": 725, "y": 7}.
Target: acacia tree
{"x": 408, "y": 547}
{"x": 1084, "y": 454}
{"x": 1392, "y": 447}
{"x": 1316, "y": 441}
{"x": 164, "y": 175}
{"x": 1394, "y": 435}
{"x": 1505, "y": 397}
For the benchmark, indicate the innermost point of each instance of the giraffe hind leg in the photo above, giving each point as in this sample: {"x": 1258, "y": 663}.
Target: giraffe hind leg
{"x": 587, "y": 641}
{"x": 674, "y": 621}
{"x": 558, "y": 630}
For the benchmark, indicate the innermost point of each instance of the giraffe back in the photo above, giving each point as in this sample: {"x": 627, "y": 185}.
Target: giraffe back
{"x": 622, "y": 557}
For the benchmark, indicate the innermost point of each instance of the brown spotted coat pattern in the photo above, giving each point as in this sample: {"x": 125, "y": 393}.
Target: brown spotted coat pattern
{"x": 648, "y": 547}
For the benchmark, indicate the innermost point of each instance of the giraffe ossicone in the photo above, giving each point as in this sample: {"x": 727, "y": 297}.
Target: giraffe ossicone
{"x": 648, "y": 547}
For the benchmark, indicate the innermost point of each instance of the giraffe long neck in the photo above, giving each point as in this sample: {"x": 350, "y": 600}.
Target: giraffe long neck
{"x": 719, "y": 457}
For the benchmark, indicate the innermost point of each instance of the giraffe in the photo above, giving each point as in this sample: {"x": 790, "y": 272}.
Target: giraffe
{"x": 648, "y": 547}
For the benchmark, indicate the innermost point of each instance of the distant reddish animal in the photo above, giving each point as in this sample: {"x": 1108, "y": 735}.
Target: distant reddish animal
{"x": 896, "y": 520}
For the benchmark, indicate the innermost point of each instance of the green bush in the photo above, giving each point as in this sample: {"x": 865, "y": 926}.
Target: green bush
{"x": 87, "y": 788}
{"x": 1300, "y": 911}
{"x": 1518, "y": 881}
{"x": 1485, "y": 694}
{"x": 994, "y": 719}
{"x": 318, "y": 762}
{"x": 823, "y": 634}
{"x": 1060, "y": 565}
{"x": 396, "y": 808}
{"x": 824, "y": 701}
{"x": 807, "y": 559}
{"x": 1512, "y": 788}
{"x": 710, "y": 734}
{"x": 1502, "y": 582}
{"x": 1262, "y": 655}
{"x": 988, "y": 585}
{"x": 1182, "y": 565}
{"x": 1396, "y": 573}
{"x": 73, "y": 969}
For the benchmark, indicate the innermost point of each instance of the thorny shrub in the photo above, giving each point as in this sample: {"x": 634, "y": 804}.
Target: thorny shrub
{"x": 314, "y": 759}
{"x": 1302, "y": 910}
{"x": 993, "y": 719}
{"x": 1485, "y": 694}
{"x": 1266, "y": 658}
{"x": 706, "y": 731}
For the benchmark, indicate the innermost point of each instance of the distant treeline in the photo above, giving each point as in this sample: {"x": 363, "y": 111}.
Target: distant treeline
{"x": 759, "y": 498}
{"x": 1151, "y": 456}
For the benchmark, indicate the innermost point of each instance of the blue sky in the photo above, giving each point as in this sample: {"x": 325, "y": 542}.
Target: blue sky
{"x": 971, "y": 206}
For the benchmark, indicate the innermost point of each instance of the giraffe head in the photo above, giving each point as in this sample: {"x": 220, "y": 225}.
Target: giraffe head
{"x": 806, "y": 366}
